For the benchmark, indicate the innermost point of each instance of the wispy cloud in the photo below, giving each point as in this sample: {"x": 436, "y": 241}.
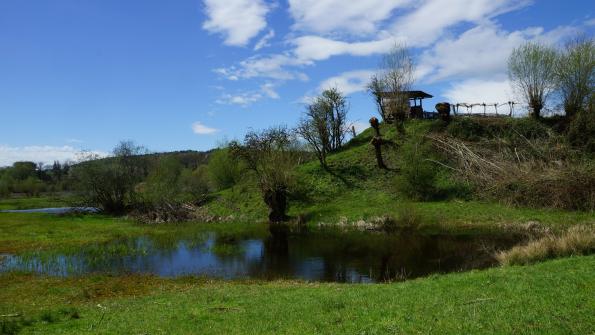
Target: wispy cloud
{"x": 264, "y": 41}
{"x": 200, "y": 129}
{"x": 348, "y": 82}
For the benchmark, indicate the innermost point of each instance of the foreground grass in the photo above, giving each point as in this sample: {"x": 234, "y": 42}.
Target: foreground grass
{"x": 554, "y": 297}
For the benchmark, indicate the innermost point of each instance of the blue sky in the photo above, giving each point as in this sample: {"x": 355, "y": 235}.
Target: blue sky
{"x": 176, "y": 75}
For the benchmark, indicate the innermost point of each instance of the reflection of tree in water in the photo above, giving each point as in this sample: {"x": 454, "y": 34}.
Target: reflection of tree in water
{"x": 357, "y": 256}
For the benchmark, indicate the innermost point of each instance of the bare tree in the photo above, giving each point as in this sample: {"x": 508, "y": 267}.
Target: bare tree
{"x": 325, "y": 123}
{"x": 530, "y": 69}
{"x": 272, "y": 155}
{"x": 575, "y": 72}
{"x": 390, "y": 85}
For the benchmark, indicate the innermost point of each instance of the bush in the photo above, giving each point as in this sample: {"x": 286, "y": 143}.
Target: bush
{"x": 418, "y": 174}
{"x": 571, "y": 188}
{"x": 223, "y": 169}
{"x": 110, "y": 183}
{"x": 170, "y": 183}
{"x": 581, "y": 131}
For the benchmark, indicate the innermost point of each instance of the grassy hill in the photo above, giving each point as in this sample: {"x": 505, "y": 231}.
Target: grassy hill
{"x": 354, "y": 188}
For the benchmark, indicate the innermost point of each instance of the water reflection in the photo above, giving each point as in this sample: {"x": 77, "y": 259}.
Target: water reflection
{"x": 322, "y": 255}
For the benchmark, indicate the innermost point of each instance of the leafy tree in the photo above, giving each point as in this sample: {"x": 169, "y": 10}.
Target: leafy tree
{"x": 169, "y": 182}
{"x": 223, "y": 169}
{"x": 575, "y": 72}
{"x": 325, "y": 124}
{"x": 23, "y": 170}
{"x": 272, "y": 156}
{"x": 530, "y": 69}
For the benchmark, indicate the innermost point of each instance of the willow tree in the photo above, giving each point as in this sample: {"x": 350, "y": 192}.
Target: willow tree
{"x": 575, "y": 72}
{"x": 531, "y": 71}
{"x": 391, "y": 84}
{"x": 272, "y": 155}
{"x": 324, "y": 125}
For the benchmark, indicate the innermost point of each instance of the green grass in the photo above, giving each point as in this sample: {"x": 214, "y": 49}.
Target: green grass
{"x": 35, "y": 202}
{"x": 554, "y": 297}
{"x": 21, "y": 232}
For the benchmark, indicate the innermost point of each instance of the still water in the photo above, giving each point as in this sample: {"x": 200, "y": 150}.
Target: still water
{"x": 321, "y": 255}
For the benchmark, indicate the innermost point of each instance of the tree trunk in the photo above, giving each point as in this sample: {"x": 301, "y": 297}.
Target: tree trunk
{"x": 377, "y": 143}
{"x": 276, "y": 200}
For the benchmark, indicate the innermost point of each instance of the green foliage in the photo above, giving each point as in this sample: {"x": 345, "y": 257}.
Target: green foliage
{"x": 581, "y": 132}
{"x": 224, "y": 170}
{"x": 163, "y": 181}
{"x": 418, "y": 175}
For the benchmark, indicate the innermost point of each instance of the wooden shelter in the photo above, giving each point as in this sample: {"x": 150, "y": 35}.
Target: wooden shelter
{"x": 414, "y": 103}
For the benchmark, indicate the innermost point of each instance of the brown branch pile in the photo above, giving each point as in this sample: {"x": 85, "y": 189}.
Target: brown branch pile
{"x": 537, "y": 173}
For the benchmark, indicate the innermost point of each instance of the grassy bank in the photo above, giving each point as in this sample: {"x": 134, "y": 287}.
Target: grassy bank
{"x": 516, "y": 300}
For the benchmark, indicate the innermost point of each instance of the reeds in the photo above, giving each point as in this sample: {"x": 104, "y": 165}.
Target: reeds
{"x": 578, "y": 240}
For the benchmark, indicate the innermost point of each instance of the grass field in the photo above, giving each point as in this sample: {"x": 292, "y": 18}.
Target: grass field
{"x": 554, "y": 297}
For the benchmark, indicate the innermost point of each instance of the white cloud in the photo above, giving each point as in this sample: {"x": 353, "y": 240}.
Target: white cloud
{"x": 479, "y": 51}
{"x": 42, "y": 153}
{"x": 348, "y": 82}
{"x": 331, "y": 16}
{"x": 269, "y": 90}
{"x": 264, "y": 41}
{"x": 431, "y": 18}
{"x": 590, "y": 22}
{"x": 240, "y": 99}
{"x": 316, "y": 48}
{"x": 272, "y": 66}
{"x": 200, "y": 129}
{"x": 238, "y": 20}
{"x": 480, "y": 91}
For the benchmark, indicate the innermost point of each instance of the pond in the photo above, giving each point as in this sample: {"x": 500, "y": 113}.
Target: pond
{"x": 316, "y": 255}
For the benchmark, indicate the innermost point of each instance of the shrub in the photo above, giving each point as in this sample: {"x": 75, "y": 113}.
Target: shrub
{"x": 418, "y": 175}
{"x": 571, "y": 187}
{"x": 110, "y": 183}
{"x": 578, "y": 240}
{"x": 581, "y": 132}
{"x": 466, "y": 128}
{"x": 223, "y": 169}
